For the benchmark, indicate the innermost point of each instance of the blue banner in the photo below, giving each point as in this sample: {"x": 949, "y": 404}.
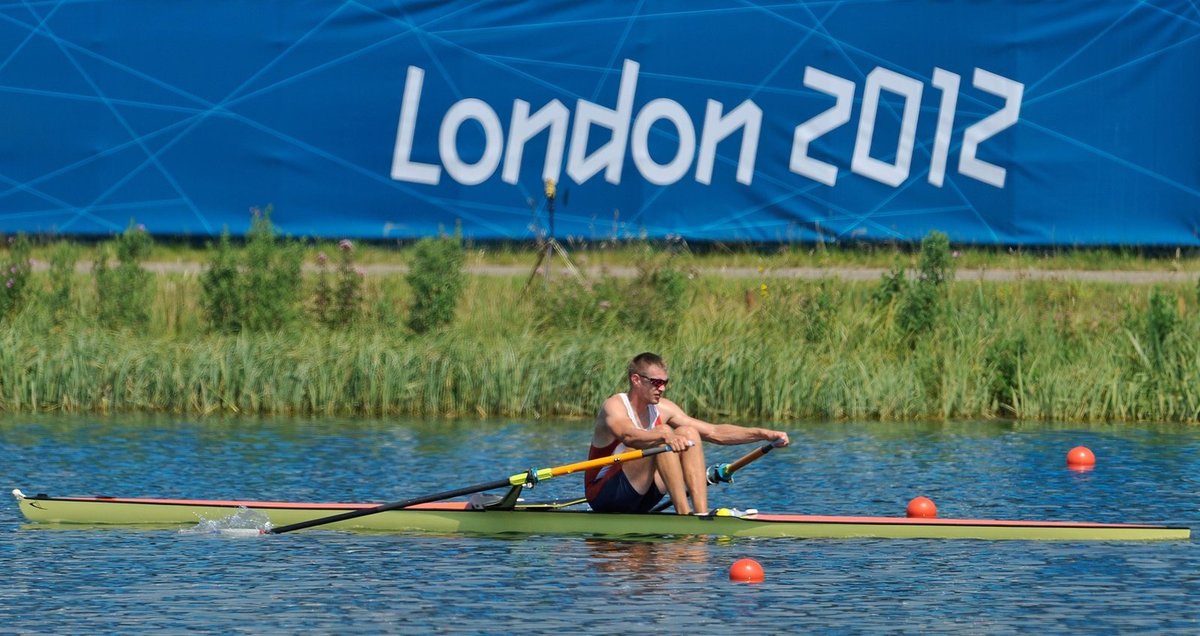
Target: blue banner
{"x": 999, "y": 122}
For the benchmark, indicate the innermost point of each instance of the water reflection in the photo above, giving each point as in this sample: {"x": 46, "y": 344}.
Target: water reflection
{"x": 643, "y": 565}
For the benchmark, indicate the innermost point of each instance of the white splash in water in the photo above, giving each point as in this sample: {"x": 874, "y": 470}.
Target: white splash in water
{"x": 244, "y": 521}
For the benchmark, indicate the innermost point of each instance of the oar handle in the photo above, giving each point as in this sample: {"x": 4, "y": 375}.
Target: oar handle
{"x": 751, "y": 456}
{"x": 724, "y": 472}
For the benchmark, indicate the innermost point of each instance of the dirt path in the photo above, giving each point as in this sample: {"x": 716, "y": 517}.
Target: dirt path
{"x": 811, "y": 273}
{"x": 873, "y": 273}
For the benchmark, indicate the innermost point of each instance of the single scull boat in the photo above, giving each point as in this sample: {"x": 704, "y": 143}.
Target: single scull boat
{"x": 455, "y": 517}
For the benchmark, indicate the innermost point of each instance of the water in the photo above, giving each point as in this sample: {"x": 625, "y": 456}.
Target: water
{"x": 65, "y": 580}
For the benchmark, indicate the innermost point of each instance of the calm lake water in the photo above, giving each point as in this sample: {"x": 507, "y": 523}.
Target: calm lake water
{"x": 63, "y": 580}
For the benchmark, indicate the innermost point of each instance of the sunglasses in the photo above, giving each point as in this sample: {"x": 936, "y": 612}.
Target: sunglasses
{"x": 658, "y": 383}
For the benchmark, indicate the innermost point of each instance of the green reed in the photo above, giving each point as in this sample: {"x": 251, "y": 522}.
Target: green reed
{"x": 739, "y": 350}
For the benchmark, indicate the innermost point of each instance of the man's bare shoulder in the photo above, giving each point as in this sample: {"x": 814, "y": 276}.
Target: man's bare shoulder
{"x": 613, "y": 404}
{"x": 613, "y": 407}
{"x": 611, "y": 411}
{"x": 669, "y": 408}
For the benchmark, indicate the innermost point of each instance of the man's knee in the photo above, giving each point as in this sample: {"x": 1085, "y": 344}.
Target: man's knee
{"x": 689, "y": 433}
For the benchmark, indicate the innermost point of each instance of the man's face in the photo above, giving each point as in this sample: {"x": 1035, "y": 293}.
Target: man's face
{"x": 651, "y": 383}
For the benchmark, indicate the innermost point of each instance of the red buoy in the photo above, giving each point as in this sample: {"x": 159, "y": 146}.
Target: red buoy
{"x": 746, "y": 571}
{"x": 1081, "y": 458}
{"x": 922, "y": 507}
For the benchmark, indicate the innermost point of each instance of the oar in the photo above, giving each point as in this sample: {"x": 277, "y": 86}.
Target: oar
{"x": 724, "y": 472}
{"x": 531, "y": 475}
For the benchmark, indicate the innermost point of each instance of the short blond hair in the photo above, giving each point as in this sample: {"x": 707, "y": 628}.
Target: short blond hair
{"x": 643, "y": 361}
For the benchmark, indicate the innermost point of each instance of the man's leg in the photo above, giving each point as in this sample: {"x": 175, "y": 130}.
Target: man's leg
{"x": 676, "y": 474}
{"x": 665, "y": 472}
{"x": 640, "y": 473}
{"x": 671, "y": 479}
{"x": 681, "y": 474}
{"x": 694, "y": 470}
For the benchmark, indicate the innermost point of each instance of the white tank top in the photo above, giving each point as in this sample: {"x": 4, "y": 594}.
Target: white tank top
{"x": 652, "y": 411}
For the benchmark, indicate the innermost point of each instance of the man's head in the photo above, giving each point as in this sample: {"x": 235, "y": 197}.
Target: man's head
{"x": 648, "y": 376}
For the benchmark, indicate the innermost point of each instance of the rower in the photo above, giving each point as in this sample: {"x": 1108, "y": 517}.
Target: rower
{"x": 642, "y": 418}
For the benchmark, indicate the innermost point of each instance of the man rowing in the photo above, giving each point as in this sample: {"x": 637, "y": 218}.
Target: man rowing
{"x": 643, "y": 418}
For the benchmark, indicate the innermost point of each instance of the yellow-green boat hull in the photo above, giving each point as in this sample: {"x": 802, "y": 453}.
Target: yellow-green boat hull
{"x": 459, "y": 518}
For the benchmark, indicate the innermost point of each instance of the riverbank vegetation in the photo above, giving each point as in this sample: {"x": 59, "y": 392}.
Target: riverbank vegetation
{"x": 257, "y": 332}
{"x": 179, "y": 253}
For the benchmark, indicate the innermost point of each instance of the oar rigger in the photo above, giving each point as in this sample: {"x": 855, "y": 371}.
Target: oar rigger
{"x": 510, "y": 499}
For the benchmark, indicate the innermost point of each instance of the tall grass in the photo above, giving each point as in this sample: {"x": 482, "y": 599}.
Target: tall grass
{"x": 738, "y": 350}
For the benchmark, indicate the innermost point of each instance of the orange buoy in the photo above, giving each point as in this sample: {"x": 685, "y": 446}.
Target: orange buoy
{"x": 1081, "y": 458}
{"x": 746, "y": 571}
{"x": 922, "y": 507}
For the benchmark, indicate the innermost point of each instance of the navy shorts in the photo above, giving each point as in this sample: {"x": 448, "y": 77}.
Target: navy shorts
{"x": 618, "y": 495}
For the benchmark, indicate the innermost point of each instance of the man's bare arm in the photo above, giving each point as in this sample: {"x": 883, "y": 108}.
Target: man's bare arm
{"x": 724, "y": 434}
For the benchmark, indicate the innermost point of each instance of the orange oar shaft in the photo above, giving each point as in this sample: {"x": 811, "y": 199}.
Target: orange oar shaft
{"x": 627, "y": 456}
